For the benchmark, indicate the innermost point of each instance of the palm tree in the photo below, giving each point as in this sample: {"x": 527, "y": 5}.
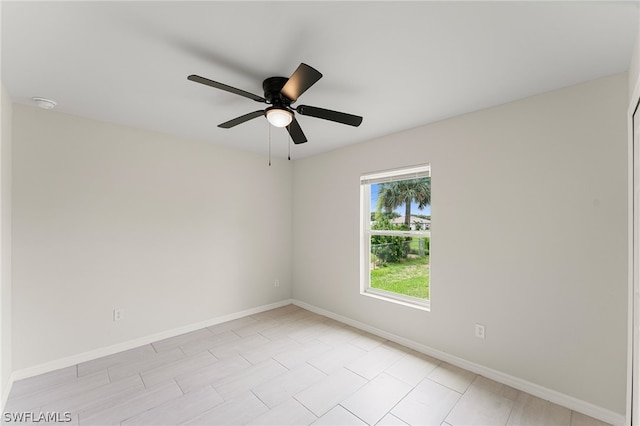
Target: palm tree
{"x": 397, "y": 193}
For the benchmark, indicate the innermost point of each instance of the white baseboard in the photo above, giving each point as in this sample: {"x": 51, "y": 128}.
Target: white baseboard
{"x": 559, "y": 398}
{"x": 110, "y": 350}
{"x": 5, "y": 392}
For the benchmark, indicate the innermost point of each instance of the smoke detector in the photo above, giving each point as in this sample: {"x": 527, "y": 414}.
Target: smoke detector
{"x": 44, "y": 103}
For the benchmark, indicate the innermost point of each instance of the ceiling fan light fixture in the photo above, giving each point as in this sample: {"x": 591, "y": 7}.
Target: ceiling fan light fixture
{"x": 279, "y": 117}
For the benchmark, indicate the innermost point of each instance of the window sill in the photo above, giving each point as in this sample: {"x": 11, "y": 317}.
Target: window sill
{"x": 410, "y": 302}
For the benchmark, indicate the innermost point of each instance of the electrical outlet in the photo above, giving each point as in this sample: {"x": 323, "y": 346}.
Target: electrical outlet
{"x": 276, "y": 283}
{"x": 480, "y": 331}
{"x": 118, "y": 314}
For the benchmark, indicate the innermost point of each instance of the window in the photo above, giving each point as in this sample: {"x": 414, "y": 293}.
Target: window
{"x": 396, "y": 235}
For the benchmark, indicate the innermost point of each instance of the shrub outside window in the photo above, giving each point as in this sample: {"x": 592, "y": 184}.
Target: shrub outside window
{"x": 396, "y": 235}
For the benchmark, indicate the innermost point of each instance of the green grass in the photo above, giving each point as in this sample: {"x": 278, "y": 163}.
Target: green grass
{"x": 410, "y": 278}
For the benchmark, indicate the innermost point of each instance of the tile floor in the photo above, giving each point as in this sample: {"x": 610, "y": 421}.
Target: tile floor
{"x": 280, "y": 367}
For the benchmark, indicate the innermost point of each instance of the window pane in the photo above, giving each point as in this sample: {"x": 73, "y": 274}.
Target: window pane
{"x": 400, "y": 265}
{"x": 401, "y": 205}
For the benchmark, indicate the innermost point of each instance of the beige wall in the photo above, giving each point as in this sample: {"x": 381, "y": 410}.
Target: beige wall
{"x": 634, "y": 65}
{"x": 6, "y": 109}
{"x": 529, "y": 237}
{"x": 173, "y": 231}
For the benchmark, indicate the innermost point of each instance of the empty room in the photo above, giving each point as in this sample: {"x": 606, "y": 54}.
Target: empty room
{"x": 328, "y": 213}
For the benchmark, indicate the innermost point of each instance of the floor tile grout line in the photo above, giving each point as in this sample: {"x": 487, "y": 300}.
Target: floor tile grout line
{"x": 358, "y": 374}
{"x": 243, "y": 357}
{"x": 179, "y": 387}
{"x": 511, "y": 412}
{"x": 354, "y": 414}
{"x": 307, "y": 408}
{"x": 402, "y": 399}
{"x": 303, "y": 406}
{"x": 259, "y": 333}
{"x": 142, "y": 379}
{"x": 449, "y": 387}
{"x": 108, "y": 375}
{"x": 316, "y": 368}
{"x": 444, "y": 420}
{"x": 260, "y": 399}
{"x": 273, "y": 359}
{"x": 212, "y": 354}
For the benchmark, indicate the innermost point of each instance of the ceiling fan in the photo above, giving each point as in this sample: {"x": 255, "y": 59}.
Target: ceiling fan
{"x": 280, "y": 93}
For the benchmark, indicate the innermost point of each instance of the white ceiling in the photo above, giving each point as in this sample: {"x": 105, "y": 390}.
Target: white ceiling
{"x": 398, "y": 64}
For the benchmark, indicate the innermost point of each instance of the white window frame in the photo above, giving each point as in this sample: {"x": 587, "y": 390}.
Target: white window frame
{"x": 366, "y": 180}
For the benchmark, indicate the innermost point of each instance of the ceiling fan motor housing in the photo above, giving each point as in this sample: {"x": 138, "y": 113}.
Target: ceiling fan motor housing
{"x": 272, "y": 91}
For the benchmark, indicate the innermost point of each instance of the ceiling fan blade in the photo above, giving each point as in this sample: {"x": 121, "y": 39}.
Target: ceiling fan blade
{"x": 225, "y": 87}
{"x": 301, "y": 79}
{"x": 327, "y": 114}
{"x": 296, "y": 132}
{"x": 239, "y": 120}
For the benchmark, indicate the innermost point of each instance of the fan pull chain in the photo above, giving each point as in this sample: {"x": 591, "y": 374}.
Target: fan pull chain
{"x": 289, "y": 144}
{"x": 269, "y": 145}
